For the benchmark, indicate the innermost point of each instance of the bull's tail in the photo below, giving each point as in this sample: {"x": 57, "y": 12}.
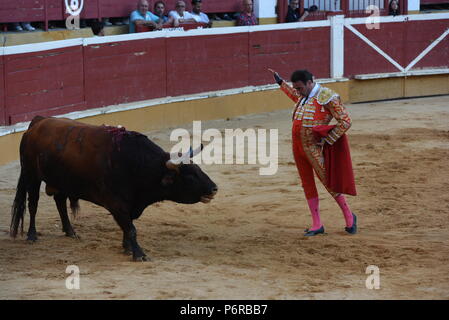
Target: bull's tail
{"x": 74, "y": 206}
{"x": 19, "y": 206}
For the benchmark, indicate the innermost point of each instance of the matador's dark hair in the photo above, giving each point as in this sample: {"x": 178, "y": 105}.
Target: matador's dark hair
{"x": 301, "y": 75}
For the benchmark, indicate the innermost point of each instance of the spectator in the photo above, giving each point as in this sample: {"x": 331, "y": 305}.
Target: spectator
{"x": 143, "y": 17}
{"x": 98, "y": 28}
{"x": 393, "y": 8}
{"x": 247, "y": 17}
{"x": 180, "y": 14}
{"x": 159, "y": 10}
{"x": 293, "y": 13}
{"x": 199, "y": 16}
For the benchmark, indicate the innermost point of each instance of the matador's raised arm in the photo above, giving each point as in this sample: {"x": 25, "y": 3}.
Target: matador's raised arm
{"x": 285, "y": 87}
{"x": 290, "y": 91}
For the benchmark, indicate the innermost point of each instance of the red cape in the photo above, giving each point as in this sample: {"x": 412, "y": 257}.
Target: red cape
{"x": 337, "y": 161}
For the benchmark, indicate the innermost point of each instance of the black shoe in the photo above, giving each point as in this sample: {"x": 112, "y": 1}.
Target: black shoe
{"x": 311, "y": 233}
{"x": 353, "y": 228}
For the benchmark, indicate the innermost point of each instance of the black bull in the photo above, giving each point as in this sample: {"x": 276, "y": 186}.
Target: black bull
{"x": 122, "y": 171}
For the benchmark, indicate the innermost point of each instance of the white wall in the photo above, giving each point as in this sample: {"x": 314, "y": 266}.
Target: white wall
{"x": 413, "y": 5}
{"x": 265, "y": 8}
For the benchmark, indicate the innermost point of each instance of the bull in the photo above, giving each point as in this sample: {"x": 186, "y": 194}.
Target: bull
{"x": 122, "y": 171}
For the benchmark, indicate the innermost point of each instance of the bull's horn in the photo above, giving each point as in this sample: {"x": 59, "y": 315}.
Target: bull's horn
{"x": 171, "y": 165}
{"x": 193, "y": 153}
{"x": 179, "y": 158}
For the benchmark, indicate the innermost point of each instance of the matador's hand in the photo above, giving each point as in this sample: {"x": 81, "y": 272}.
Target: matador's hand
{"x": 276, "y": 76}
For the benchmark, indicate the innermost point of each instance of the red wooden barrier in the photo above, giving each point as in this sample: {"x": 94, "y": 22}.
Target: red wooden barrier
{"x": 45, "y": 83}
{"x": 281, "y": 10}
{"x": 126, "y": 71}
{"x": 22, "y": 10}
{"x": 403, "y": 42}
{"x": 91, "y": 9}
{"x": 360, "y": 58}
{"x": 418, "y": 35}
{"x": 2, "y": 94}
{"x": 288, "y": 50}
{"x": 117, "y": 8}
{"x": 54, "y": 10}
{"x": 62, "y": 80}
{"x": 207, "y": 63}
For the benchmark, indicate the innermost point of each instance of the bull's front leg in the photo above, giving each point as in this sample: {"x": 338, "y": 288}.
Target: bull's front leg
{"x": 138, "y": 254}
{"x": 127, "y": 248}
{"x": 130, "y": 236}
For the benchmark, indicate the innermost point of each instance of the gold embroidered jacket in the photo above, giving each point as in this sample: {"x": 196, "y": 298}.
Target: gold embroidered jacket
{"x": 319, "y": 108}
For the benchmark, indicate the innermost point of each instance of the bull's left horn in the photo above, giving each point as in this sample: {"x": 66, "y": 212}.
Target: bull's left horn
{"x": 177, "y": 159}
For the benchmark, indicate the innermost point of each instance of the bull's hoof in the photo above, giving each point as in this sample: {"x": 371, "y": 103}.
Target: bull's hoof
{"x": 72, "y": 234}
{"x": 31, "y": 238}
{"x": 141, "y": 259}
{"x": 128, "y": 252}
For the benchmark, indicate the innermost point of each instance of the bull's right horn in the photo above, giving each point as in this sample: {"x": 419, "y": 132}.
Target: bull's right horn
{"x": 193, "y": 153}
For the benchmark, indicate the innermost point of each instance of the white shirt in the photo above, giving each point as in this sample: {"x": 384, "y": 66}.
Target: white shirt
{"x": 200, "y": 18}
{"x": 312, "y": 94}
{"x": 175, "y": 14}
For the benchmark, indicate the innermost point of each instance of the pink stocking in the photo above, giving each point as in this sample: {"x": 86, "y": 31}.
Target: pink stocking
{"x": 314, "y": 206}
{"x": 341, "y": 200}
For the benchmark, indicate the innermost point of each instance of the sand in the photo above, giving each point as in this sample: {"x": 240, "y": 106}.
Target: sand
{"x": 248, "y": 243}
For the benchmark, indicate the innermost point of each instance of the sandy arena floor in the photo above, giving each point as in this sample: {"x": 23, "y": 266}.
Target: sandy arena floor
{"x": 248, "y": 243}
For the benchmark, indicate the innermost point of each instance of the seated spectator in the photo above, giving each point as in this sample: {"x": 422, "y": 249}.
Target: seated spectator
{"x": 159, "y": 10}
{"x": 180, "y": 14}
{"x": 98, "y": 28}
{"x": 393, "y": 8}
{"x": 293, "y": 13}
{"x": 143, "y": 17}
{"x": 199, "y": 16}
{"x": 247, "y": 17}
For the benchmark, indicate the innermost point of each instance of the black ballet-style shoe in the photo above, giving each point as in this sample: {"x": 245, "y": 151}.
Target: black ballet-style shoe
{"x": 353, "y": 228}
{"x": 311, "y": 233}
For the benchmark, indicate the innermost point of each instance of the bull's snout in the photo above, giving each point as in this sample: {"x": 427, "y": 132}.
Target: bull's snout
{"x": 207, "y": 198}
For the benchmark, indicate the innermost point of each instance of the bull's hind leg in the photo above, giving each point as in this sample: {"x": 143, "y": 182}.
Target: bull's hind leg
{"x": 33, "y": 199}
{"x": 61, "y": 204}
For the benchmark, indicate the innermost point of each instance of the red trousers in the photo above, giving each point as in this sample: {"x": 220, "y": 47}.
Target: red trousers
{"x": 303, "y": 164}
